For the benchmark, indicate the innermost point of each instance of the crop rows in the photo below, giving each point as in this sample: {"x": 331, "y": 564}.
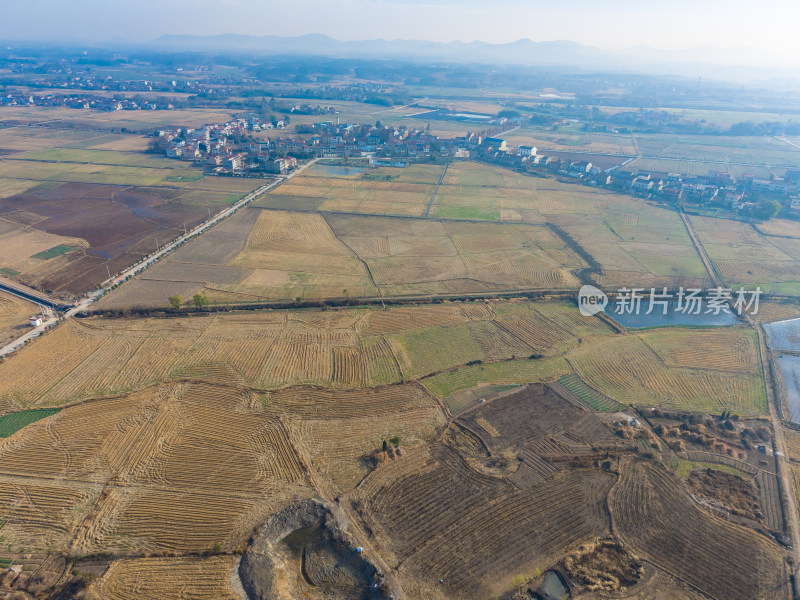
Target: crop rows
{"x": 181, "y": 521}
{"x": 311, "y": 403}
{"x": 656, "y": 517}
{"x": 737, "y": 271}
{"x": 158, "y": 578}
{"x": 66, "y": 446}
{"x": 587, "y": 394}
{"x": 769, "y": 493}
{"x": 722, "y": 350}
{"x": 349, "y": 367}
{"x": 38, "y": 515}
{"x": 499, "y": 528}
{"x": 295, "y": 362}
{"x": 63, "y": 352}
{"x": 627, "y": 368}
{"x": 496, "y": 342}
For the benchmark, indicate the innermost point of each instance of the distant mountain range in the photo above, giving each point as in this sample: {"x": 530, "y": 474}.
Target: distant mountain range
{"x": 736, "y": 62}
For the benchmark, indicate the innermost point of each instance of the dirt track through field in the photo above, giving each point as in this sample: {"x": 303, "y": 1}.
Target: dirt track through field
{"x": 701, "y": 251}
{"x": 436, "y": 191}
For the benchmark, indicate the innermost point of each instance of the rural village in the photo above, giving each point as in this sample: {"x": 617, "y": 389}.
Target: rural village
{"x": 284, "y": 326}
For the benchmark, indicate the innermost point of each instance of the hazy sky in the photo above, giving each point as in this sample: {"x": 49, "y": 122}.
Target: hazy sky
{"x": 770, "y": 25}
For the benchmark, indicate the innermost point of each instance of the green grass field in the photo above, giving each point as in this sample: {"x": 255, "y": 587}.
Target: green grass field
{"x": 589, "y": 395}
{"x": 520, "y": 371}
{"x": 13, "y": 422}
{"x": 102, "y": 157}
{"x": 53, "y": 252}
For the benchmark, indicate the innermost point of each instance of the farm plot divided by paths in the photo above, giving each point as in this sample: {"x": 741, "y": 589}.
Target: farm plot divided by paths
{"x": 287, "y": 255}
{"x": 155, "y": 464}
{"x": 546, "y": 232}
{"x": 71, "y": 251}
{"x": 773, "y": 262}
{"x": 449, "y": 347}
{"x": 77, "y": 206}
{"x": 655, "y": 516}
{"x": 699, "y": 155}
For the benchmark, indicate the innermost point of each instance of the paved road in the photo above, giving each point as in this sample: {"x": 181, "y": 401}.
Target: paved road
{"x": 84, "y": 303}
{"x": 782, "y": 459}
{"x": 791, "y": 143}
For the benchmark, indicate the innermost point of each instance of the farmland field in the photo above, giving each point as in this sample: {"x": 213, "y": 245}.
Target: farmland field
{"x": 660, "y": 522}
{"x": 159, "y": 457}
{"x": 632, "y": 242}
{"x": 749, "y": 154}
{"x": 346, "y": 348}
{"x": 159, "y": 578}
{"x": 58, "y": 195}
{"x": 14, "y": 313}
{"x": 459, "y": 345}
{"x": 603, "y": 143}
{"x": 287, "y": 255}
{"x": 419, "y": 504}
{"x": 630, "y": 370}
{"x": 393, "y": 191}
{"x": 772, "y": 262}
{"x": 138, "y": 120}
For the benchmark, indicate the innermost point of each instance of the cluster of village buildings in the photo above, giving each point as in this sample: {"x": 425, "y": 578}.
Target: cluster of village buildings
{"x": 736, "y": 193}
{"x": 227, "y": 147}
{"x": 231, "y": 147}
{"x": 81, "y": 101}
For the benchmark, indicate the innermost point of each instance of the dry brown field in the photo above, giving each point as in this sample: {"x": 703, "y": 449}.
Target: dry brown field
{"x": 61, "y": 191}
{"x": 136, "y": 120}
{"x": 772, "y": 262}
{"x": 288, "y": 255}
{"x": 14, "y": 313}
{"x": 157, "y": 411}
{"x": 168, "y": 578}
{"x": 452, "y": 346}
{"x": 655, "y": 516}
{"x": 343, "y": 348}
{"x": 632, "y": 242}
{"x": 149, "y": 471}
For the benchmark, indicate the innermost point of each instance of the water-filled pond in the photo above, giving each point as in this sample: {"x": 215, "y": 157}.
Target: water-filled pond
{"x": 784, "y": 336}
{"x": 673, "y": 317}
{"x": 339, "y": 170}
{"x": 554, "y": 587}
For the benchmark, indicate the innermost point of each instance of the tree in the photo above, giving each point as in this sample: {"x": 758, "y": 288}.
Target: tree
{"x": 768, "y": 210}
{"x": 395, "y": 441}
{"x": 176, "y": 301}
{"x": 200, "y": 300}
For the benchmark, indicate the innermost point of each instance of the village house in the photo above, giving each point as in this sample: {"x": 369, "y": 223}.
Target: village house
{"x": 496, "y": 144}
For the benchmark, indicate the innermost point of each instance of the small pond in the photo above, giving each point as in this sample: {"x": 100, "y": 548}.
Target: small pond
{"x": 673, "y": 317}
{"x": 554, "y": 587}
